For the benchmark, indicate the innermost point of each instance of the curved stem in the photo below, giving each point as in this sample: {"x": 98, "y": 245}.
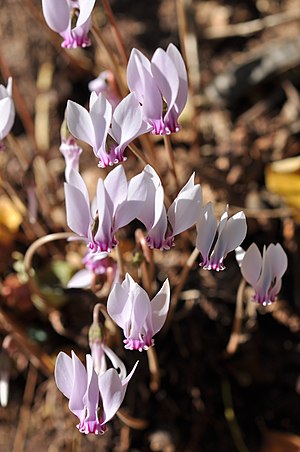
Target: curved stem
{"x": 238, "y": 318}
{"x": 40, "y": 242}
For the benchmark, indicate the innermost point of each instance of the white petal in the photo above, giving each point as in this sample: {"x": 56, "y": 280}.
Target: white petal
{"x": 251, "y": 265}
{"x": 57, "y": 14}
{"x": 80, "y": 124}
{"x": 206, "y": 230}
{"x": 160, "y": 307}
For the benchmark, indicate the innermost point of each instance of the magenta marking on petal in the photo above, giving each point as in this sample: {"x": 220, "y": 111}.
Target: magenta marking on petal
{"x": 95, "y": 427}
{"x": 158, "y": 126}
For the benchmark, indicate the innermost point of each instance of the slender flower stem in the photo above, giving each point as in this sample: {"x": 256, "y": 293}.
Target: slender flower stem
{"x": 120, "y": 262}
{"x": 118, "y": 37}
{"x": 238, "y": 318}
{"x": 168, "y": 146}
{"x": 133, "y": 422}
{"x": 154, "y": 369}
{"x": 139, "y": 155}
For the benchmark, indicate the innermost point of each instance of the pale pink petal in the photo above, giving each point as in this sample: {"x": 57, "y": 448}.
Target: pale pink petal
{"x": 82, "y": 279}
{"x": 177, "y": 59}
{"x": 79, "y": 384}
{"x": 104, "y": 215}
{"x": 80, "y": 124}
{"x": 251, "y": 265}
{"x": 85, "y": 11}
{"x": 57, "y": 14}
{"x": 141, "y": 309}
{"x": 166, "y": 76}
{"x": 91, "y": 396}
{"x": 278, "y": 260}
{"x": 232, "y": 234}
{"x": 100, "y": 113}
{"x": 77, "y": 181}
{"x": 116, "y": 187}
{"x": 118, "y": 307}
{"x": 63, "y": 374}
{"x": 186, "y": 208}
{"x": 206, "y": 231}
{"x": 78, "y": 212}
{"x": 137, "y": 66}
{"x": 112, "y": 393}
{"x": 160, "y": 307}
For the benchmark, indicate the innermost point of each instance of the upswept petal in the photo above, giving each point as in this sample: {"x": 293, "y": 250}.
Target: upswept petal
{"x": 182, "y": 94}
{"x": 233, "y": 232}
{"x": 85, "y": 11}
{"x": 136, "y": 197}
{"x": 137, "y": 66}
{"x": 77, "y": 210}
{"x": 103, "y": 233}
{"x": 160, "y": 307}
{"x": 56, "y": 14}
{"x": 112, "y": 391}
{"x": 91, "y": 396}
{"x": 166, "y": 76}
{"x": 116, "y": 187}
{"x": 77, "y": 181}
{"x": 206, "y": 230}
{"x": 117, "y": 307}
{"x": 101, "y": 114}
{"x": 64, "y": 374}
{"x": 80, "y": 124}
{"x": 278, "y": 260}
{"x": 186, "y": 208}
{"x": 127, "y": 121}
{"x": 252, "y": 264}
{"x": 79, "y": 385}
{"x": 140, "y": 311}
{"x": 264, "y": 282}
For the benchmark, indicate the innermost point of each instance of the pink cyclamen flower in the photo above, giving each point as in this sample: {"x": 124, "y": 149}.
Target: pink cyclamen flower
{"x": 162, "y": 226}
{"x": 264, "y": 272}
{"x": 130, "y": 307}
{"x": 61, "y": 15}
{"x": 7, "y": 110}
{"x": 71, "y": 152}
{"x": 93, "y": 398}
{"x": 215, "y": 241}
{"x": 105, "y": 83}
{"x": 116, "y": 204}
{"x": 123, "y": 125}
{"x": 163, "y": 79}
{"x": 95, "y": 264}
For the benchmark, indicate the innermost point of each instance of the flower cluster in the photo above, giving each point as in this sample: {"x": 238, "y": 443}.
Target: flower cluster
{"x": 158, "y": 93}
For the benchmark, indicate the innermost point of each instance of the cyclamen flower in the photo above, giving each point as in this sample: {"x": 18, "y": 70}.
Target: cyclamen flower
{"x": 71, "y": 152}
{"x": 215, "y": 241}
{"x": 93, "y": 399}
{"x": 7, "y": 110}
{"x": 130, "y": 307}
{"x": 105, "y": 83}
{"x": 95, "y": 264}
{"x": 116, "y": 204}
{"x": 162, "y": 225}
{"x": 124, "y": 125}
{"x": 61, "y": 15}
{"x": 163, "y": 79}
{"x": 264, "y": 272}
